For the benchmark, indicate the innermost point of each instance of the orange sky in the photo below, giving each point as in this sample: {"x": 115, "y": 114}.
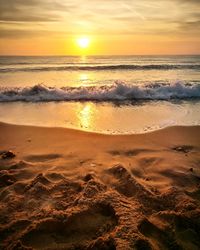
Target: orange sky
{"x": 51, "y": 27}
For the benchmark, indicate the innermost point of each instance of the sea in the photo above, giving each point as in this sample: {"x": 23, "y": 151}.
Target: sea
{"x": 104, "y": 94}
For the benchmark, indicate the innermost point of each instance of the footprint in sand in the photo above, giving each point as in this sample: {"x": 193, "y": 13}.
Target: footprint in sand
{"x": 160, "y": 239}
{"x": 125, "y": 183}
{"x": 128, "y": 153}
{"x": 183, "y": 149}
{"x": 185, "y": 231}
{"x": 83, "y": 227}
{"x": 42, "y": 158}
{"x": 6, "y": 179}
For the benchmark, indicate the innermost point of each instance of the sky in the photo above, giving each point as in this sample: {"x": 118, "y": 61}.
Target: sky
{"x": 114, "y": 27}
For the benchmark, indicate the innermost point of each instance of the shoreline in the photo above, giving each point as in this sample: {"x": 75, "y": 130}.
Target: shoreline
{"x": 102, "y": 118}
{"x": 103, "y": 133}
{"x": 71, "y": 189}
{"x": 97, "y": 133}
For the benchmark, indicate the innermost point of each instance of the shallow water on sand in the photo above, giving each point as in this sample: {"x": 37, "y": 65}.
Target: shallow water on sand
{"x": 113, "y": 118}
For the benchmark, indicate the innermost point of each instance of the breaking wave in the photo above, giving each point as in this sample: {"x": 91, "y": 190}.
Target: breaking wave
{"x": 116, "y": 92}
{"x": 103, "y": 67}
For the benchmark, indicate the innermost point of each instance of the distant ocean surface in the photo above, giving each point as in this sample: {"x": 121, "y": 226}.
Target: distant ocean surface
{"x": 109, "y": 94}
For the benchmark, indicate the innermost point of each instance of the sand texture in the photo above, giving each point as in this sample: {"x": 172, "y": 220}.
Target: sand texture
{"x": 67, "y": 189}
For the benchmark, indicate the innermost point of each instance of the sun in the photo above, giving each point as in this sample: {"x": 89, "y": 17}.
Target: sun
{"x": 83, "y": 42}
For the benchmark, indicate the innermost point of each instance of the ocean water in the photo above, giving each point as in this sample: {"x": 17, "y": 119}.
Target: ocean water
{"x": 106, "y": 94}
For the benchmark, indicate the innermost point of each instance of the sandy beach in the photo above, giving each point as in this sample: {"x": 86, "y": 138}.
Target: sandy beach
{"x": 68, "y": 189}
{"x": 99, "y": 125}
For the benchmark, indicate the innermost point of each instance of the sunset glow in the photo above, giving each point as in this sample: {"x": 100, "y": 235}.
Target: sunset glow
{"x": 138, "y": 27}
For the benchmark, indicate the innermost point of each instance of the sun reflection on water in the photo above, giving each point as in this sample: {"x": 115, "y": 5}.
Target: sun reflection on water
{"x": 83, "y": 77}
{"x": 85, "y": 114}
{"x": 83, "y": 59}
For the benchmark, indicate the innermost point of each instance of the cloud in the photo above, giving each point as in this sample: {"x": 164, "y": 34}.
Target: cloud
{"x": 30, "y": 10}
{"x": 148, "y": 17}
{"x": 16, "y": 33}
{"x": 189, "y": 2}
{"x": 190, "y": 26}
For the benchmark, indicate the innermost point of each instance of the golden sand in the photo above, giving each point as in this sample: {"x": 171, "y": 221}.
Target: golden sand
{"x": 67, "y": 189}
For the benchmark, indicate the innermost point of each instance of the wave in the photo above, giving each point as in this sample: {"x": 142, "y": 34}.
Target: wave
{"x": 116, "y": 92}
{"x": 105, "y": 67}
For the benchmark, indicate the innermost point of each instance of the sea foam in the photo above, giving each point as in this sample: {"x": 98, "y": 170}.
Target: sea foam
{"x": 118, "y": 91}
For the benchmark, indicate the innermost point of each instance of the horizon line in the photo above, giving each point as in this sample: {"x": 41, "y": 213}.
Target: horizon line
{"x": 63, "y": 55}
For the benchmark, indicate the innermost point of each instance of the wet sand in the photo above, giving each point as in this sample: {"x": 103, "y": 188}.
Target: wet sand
{"x": 68, "y": 189}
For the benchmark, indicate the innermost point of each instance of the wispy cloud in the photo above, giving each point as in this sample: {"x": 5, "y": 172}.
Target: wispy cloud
{"x": 30, "y": 10}
{"x": 99, "y": 17}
